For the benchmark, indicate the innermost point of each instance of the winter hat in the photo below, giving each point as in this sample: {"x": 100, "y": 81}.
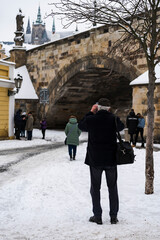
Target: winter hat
{"x": 104, "y": 104}
{"x": 19, "y": 111}
{"x": 72, "y": 116}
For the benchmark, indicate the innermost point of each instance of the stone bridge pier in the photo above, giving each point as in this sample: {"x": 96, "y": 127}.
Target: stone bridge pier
{"x": 80, "y": 85}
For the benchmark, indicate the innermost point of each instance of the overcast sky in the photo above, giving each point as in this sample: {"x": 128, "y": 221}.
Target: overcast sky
{"x": 10, "y": 8}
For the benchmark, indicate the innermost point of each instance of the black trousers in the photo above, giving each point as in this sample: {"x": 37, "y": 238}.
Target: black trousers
{"x": 17, "y": 132}
{"x": 72, "y": 148}
{"x": 132, "y": 138}
{"x": 29, "y": 135}
{"x": 139, "y": 130}
{"x": 111, "y": 179}
{"x": 43, "y": 133}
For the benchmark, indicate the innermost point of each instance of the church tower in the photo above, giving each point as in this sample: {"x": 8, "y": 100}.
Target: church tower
{"x": 28, "y": 30}
{"x": 39, "y": 34}
{"x": 39, "y": 21}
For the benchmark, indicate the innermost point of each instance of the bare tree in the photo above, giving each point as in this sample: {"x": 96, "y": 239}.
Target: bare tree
{"x": 139, "y": 21}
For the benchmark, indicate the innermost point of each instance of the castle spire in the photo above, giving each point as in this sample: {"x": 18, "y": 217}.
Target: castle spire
{"x": 39, "y": 21}
{"x": 28, "y": 30}
{"x": 53, "y": 26}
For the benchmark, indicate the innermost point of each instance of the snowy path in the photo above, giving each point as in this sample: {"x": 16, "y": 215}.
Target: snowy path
{"x": 47, "y": 197}
{"x": 23, "y": 153}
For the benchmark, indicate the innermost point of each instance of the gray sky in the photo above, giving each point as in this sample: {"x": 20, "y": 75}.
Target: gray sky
{"x": 10, "y": 8}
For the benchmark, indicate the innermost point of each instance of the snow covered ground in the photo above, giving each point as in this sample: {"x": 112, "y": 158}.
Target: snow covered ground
{"x": 52, "y": 137}
{"x": 47, "y": 197}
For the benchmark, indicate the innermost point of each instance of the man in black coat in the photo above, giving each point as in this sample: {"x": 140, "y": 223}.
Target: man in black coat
{"x": 132, "y": 122}
{"x": 101, "y": 150}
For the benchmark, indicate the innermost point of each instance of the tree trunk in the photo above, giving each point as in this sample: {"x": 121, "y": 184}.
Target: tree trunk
{"x": 149, "y": 172}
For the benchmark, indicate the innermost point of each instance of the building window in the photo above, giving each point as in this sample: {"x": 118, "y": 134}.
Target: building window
{"x": 44, "y": 95}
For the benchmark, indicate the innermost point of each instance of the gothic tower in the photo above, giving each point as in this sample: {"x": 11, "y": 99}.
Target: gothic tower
{"x": 28, "y": 30}
{"x": 39, "y": 34}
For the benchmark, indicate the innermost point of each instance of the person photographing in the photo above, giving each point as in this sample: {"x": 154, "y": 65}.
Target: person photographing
{"x": 101, "y": 156}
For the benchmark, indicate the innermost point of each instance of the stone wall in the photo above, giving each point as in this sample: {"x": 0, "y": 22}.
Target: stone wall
{"x": 140, "y": 106}
{"x": 18, "y": 55}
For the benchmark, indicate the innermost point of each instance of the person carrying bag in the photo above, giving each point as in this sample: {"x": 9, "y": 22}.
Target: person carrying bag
{"x": 124, "y": 152}
{"x": 72, "y": 132}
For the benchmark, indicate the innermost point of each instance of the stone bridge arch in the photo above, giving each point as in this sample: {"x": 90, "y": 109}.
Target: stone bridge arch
{"x": 79, "y": 85}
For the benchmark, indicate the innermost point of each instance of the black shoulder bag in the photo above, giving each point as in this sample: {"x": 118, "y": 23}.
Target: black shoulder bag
{"x": 124, "y": 152}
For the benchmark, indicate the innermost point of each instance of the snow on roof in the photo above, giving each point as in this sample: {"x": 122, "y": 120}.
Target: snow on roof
{"x": 9, "y": 47}
{"x": 143, "y": 78}
{"x": 27, "y": 90}
{"x": 7, "y": 62}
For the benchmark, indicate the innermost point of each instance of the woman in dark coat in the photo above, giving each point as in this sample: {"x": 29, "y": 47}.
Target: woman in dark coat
{"x": 18, "y": 122}
{"x": 43, "y": 127}
{"x": 132, "y": 122}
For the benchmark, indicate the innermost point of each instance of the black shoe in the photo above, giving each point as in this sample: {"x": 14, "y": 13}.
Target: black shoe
{"x": 95, "y": 219}
{"x": 114, "y": 220}
{"x": 74, "y": 158}
{"x": 142, "y": 146}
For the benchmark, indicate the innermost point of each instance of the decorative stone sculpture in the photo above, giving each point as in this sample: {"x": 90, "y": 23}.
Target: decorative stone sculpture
{"x": 19, "y": 20}
{"x": 19, "y": 38}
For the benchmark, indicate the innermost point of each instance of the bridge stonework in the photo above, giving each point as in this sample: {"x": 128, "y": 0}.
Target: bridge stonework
{"x": 78, "y": 70}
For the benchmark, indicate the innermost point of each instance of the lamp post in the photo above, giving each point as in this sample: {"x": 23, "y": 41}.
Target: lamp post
{"x": 18, "y": 83}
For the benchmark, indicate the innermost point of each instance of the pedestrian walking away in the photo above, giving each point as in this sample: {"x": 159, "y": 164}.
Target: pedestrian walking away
{"x": 29, "y": 126}
{"x": 101, "y": 156}
{"x": 140, "y": 129}
{"x": 132, "y": 122}
{"x": 43, "y": 124}
{"x": 72, "y": 132}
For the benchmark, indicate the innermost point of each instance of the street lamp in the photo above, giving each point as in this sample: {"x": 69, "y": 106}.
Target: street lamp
{"x": 18, "y": 82}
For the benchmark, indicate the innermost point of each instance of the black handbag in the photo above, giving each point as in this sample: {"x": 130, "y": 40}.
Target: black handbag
{"x": 65, "y": 141}
{"x": 124, "y": 152}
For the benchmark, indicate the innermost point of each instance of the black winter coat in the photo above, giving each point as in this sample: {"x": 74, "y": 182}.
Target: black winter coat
{"x": 23, "y": 122}
{"x": 18, "y": 120}
{"x": 102, "y": 138}
{"x": 132, "y": 122}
